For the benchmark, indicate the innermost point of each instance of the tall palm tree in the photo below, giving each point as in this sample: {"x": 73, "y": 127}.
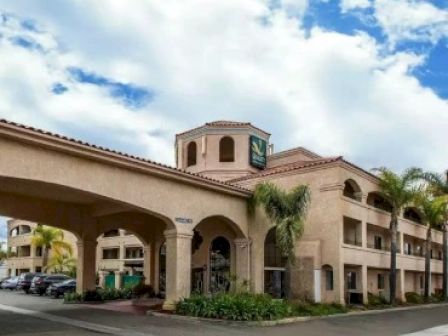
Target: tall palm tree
{"x": 287, "y": 210}
{"x": 434, "y": 212}
{"x": 49, "y": 238}
{"x": 398, "y": 190}
{"x": 438, "y": 185}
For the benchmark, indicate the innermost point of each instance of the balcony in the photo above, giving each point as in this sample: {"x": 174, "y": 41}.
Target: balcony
{"x": 352, "y": 231}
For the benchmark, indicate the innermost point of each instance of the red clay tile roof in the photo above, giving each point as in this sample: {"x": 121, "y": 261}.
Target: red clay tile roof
{"x": 124, "y": 155}
{"x": 288, "y": 167}
{"x": 225, "y": 124}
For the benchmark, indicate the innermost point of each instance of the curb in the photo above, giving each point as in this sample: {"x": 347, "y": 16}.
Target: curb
{"x": 289, "y": 320}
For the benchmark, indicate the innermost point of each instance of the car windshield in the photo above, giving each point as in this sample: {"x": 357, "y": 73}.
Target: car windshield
{"x": 67, "y": 282}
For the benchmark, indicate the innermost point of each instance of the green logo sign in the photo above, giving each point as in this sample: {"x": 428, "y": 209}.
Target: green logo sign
{"x": 257, "y": 152}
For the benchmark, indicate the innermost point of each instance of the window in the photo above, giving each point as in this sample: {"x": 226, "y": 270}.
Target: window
{"x": 39, "y": 251}
{"x": 192, "y": 154}
{"x": 378, "y": 244}
{"x": 274, "y": 267}
{"x": 407, "y": 249}
{"x": 419, "y": 251}
{"x": 439, "y": 255}
{"x": 134, "y": 252}
{"x": 380, "y": 281}
{"x": 329, "y": 280}
{"x": 111, "y": 253}
{"x": 421, "y": 281}
{"x": 226, "y": 150}
{"x": 162, "y": 269}
{"x": 351, "y": 280}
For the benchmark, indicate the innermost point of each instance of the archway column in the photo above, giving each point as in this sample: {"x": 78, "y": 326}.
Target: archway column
{"x": 242, "y": 260}
{"x": 178, "y": 266}
{"x": 86, "y": 268}
{"x": 148, "y": 256}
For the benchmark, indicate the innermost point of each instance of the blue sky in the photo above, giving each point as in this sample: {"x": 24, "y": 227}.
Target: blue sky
{"x": 367, "y": 79}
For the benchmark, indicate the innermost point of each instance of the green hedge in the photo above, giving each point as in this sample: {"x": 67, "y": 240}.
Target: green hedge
{"x": 107, "y": 294}
{"x": 238, "y": 307}
{"x": 251, "y": 307}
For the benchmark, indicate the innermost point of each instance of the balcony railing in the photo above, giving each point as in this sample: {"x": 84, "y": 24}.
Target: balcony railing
{"x": 352, "y": 242}
{"x": 382, "y": 247}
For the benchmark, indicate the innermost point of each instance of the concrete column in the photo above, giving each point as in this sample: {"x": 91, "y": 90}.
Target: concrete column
{"x": 364, "y": 284}
{"x": 86, "y": 268}
{"x": 401, "y": 290}
{"x": 364, "y": 234}
{"x": 178, "y": 266}
{"x": 118, "y": 279}
{"x": 121, "y": 256}
{"x": 339, "y": 278}
{"x": 401, "y": 242}
{"x": 242, "y": 261}
{"x": 156, "y": 266}
{"x": 102, "y": 278}
{"x": 147, "y": 258}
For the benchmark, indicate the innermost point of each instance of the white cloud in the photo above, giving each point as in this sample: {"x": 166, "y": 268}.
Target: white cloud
{"x": 412, "y": 20}
{"x": 348, "y": 5}
{"x": 334, "y": 93}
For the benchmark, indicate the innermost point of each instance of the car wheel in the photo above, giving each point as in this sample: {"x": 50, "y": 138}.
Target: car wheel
{"x": 27, "y": 291}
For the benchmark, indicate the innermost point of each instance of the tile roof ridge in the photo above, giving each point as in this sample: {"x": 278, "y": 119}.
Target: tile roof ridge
{"x": 119, "y": 153}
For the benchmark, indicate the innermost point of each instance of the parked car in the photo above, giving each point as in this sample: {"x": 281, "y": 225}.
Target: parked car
{"x": 57, "y": 289}
{"x": 24, "y": 282}
{"x": 10, "y": 284}
{"x": 40, "y": 283}
{"x": 3, "y": 280}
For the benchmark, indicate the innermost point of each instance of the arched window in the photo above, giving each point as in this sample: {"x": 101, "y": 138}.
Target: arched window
{"x": 192, "y": 151}
{"x": 162, "y": 269}
{"x": 226, "y": 150}
{"x": 274, "y": 267}
{"x": 220, "y": 265}
{"x": 377, "y": 201}
{"x": 352, "y": 190}
{"x": 412, "y": 215}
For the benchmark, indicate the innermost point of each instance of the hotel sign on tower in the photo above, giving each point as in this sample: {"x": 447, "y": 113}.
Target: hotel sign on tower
{"x": 258, "y": 150}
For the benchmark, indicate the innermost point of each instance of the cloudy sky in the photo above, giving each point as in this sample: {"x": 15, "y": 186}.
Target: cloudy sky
{"x": 367, "y": 79}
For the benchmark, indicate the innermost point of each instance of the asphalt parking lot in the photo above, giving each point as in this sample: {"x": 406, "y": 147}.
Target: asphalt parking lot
{"x": 22, "y": 314}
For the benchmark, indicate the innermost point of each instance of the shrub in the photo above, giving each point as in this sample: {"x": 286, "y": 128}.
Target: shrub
{"x": 91, "y": 296}
{"x": 413, "y": 297}
{"x": 319, "y": 309}
{"x": 72, "y": 298}
{"x": 142, "y": 290}
{"x": 238, "y": 307}
{"x": 377, "y": 300}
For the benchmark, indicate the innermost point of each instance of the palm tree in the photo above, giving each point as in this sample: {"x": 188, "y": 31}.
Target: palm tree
{"x": 61, "y": 263}
{"x": 438, "y": 185}
{"x": 398, "y": 190}
{"x": 434, "y": 212}
{"x": 287, "y": 210}
{"x": 49, "y": 238}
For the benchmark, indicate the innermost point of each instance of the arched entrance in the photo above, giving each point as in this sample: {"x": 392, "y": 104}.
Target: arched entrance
{"x": 220, "y": 256}
{"x": 274, "y": 267}
{"x": 219, "y": 265}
